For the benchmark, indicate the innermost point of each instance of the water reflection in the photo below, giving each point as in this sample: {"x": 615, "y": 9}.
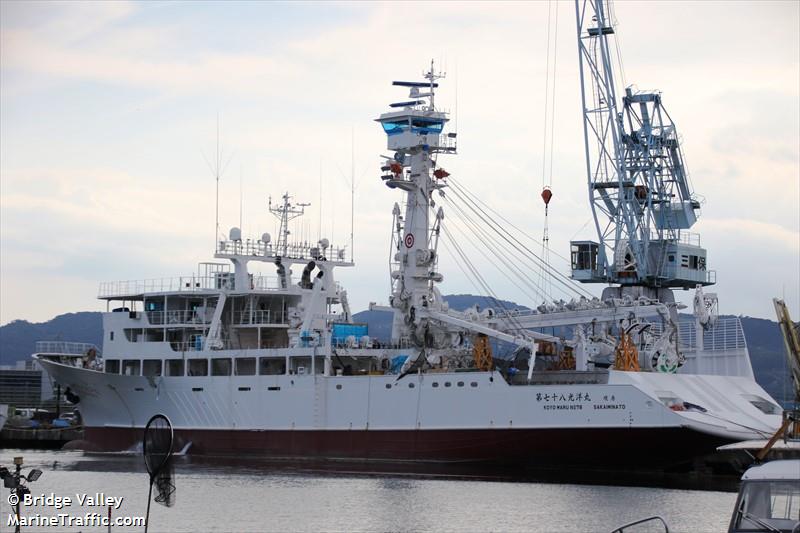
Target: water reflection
{"x": 225, "y": 494}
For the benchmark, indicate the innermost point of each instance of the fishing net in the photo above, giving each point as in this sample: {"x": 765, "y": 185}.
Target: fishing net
{"x": 157, "y": 450}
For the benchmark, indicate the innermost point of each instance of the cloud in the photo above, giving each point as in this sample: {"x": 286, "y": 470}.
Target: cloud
{"x": 108, "y": 108}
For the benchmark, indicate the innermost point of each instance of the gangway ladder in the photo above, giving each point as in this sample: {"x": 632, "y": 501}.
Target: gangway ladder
{"x": 247, "y": 313}
{"x": 320, "y": 397}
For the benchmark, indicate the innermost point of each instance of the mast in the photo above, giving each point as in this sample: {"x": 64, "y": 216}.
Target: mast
{"x": 414, "y": 133}
{"x": 637, "y": 181}
{"x": 352, "y": 189}
{"x": 285, "y": 212}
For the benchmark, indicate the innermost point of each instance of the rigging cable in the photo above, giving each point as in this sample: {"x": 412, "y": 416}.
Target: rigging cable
{"x": 565, "y": 281}
{"x": 547, "y": 180}
{"x": 546, "y": 100}
{"x": 476, "y": 199}
{"x": 612, "y": 15}
{"x": 520, "y": 275}
{"x": 487, "y": 221}
{"x": 486, "y": 240}
{"x": 486, "y": 288}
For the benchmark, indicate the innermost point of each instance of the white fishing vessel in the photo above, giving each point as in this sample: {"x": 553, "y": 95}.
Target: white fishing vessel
{"x": 261, "y": 355}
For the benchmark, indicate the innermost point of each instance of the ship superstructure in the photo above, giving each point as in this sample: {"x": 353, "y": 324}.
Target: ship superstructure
{"x": 261, "y": 354}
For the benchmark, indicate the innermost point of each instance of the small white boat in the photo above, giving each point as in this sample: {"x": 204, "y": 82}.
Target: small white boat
{"x": 769, "y": 499}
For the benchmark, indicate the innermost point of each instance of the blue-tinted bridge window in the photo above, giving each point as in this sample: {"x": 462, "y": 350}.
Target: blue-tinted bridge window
{"x": 426, "y": 125}
{"x": 393, "y": 128}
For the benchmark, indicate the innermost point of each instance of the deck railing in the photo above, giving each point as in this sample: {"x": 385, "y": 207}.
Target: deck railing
{"x": 225, "y": 280}
{"x": 259, "y": 248}
{"x": 727, "y": 334}
{"x": 158, "y": 318}
{"x": 156, "y": 285}
{"x": 66, "y": 348}
{"x": 258, "y": 317}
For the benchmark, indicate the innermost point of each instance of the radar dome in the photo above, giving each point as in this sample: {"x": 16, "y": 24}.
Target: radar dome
{"x": 265, "y": 238}
{"x": 235, "y": 234}
{"x": 324, "y": 243}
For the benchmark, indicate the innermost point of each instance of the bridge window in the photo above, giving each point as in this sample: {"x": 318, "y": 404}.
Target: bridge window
{"x": 151, "y": 367}
{"x": 395, "y": 127}
{"x": 112, "y": 366}
{"x": 175, "y": 367}
{"x": 426, "y": 125}
{"x": 246, "y": 366}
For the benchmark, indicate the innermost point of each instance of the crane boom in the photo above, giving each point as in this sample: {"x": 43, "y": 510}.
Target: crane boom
{"x": 638, "y": 185}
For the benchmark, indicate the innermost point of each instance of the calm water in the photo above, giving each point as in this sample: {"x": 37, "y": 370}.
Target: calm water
{"x": 242, "y": 497}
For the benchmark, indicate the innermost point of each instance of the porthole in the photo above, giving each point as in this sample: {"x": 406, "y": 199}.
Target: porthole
{"x": 410, "y": 385}
{"x": 473, "y": 384}
{"x": 460, "y": 383}
{"x": 435, "y": 384}
{"x": 448, "y": 384}
{"x": 339, "y": 386}
{"x": 388, "y": 385}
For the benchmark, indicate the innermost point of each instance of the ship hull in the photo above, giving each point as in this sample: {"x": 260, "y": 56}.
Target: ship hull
{"x": 588, "y": 447}
{"x": 473, "y": 417}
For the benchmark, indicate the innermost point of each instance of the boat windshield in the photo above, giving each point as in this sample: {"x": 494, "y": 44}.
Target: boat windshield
{"x": 767, "y": 506}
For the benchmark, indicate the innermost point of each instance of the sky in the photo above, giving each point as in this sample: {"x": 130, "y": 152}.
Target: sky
{"x": 109, "y": 114}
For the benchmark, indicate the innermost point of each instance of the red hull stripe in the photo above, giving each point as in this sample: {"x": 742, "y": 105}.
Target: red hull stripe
{"x": 543, "y": 446}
